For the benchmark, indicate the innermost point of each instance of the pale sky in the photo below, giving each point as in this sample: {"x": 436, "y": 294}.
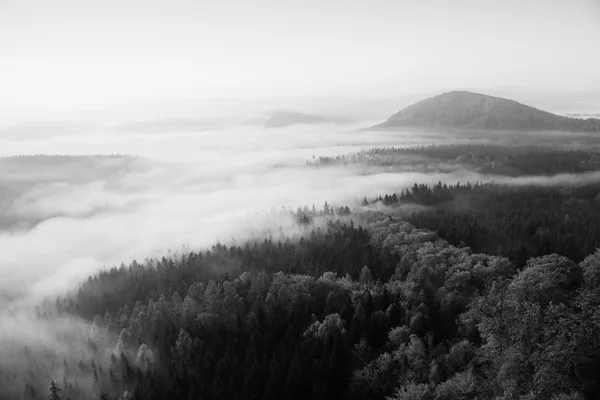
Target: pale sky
{"x": 80, "y": 53}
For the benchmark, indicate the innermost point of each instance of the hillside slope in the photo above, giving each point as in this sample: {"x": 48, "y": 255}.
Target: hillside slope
{"x": 468, "y": 110}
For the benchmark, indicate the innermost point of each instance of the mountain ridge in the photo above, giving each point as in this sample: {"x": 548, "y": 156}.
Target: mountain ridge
{"x": 471, "y": 110}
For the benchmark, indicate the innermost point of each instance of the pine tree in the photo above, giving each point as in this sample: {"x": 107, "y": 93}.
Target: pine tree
{"x": 54, "y": 391}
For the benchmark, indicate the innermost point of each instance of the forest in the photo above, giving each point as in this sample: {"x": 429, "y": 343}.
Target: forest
{"x": 487, "y": 159}
{"x": 473, "y": 290}
{"x": 516, "y": 222}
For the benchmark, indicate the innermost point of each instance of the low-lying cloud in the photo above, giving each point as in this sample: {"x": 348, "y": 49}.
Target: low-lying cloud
{"x": 64, "y": 218}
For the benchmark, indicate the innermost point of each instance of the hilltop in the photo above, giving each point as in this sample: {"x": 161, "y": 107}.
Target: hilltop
{"x": 468, "y": 110}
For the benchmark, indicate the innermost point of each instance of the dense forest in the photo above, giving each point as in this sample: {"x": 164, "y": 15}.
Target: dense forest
{"x": 384, "y": 311}
{"x": 435, "y": 292}
{"x": 514, "y": 221}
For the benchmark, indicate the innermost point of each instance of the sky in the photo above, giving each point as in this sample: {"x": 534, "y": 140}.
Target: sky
{"x": 65, "y": 54}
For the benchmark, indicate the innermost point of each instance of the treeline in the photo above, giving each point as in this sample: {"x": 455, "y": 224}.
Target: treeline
{"x": 337, "y": 247}
{"x": 142, "y": 352}
{"x": 486, "y": 159}
{"x": 517, "y": 222}
{"x": 387, "y": 312}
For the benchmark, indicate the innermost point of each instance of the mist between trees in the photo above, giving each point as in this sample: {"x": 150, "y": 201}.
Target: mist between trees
{"x": 354, "y": 304}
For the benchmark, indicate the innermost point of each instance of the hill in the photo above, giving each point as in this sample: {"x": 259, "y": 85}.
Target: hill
{"x": 280, "y": 119}
{"x": 468, "y": 110}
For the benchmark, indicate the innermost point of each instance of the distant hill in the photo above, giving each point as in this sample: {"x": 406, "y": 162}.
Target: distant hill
{"x": 280, "y": 119}
{"x": 468, "y": 110}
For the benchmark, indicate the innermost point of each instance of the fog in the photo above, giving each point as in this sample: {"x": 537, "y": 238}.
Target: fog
{"x": 83, "y": 207}
{"x": 64, "y": 218}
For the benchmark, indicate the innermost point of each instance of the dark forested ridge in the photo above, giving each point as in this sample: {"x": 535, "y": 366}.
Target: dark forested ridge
{"x": 435, "y": 292}
{"x": 482, "y": 158}
{"x": 518, "y": 222}
{"x": 340, "y": 311}
{"x": 468, "y": 110}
